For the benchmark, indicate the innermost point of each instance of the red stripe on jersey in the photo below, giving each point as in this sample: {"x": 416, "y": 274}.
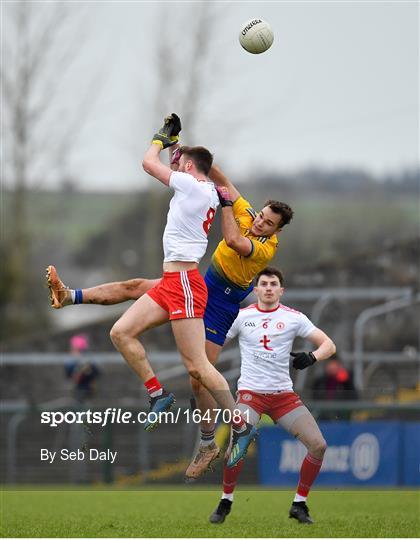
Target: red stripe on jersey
{"x": 249, "y": 307}
{"x": 287, "y": 308}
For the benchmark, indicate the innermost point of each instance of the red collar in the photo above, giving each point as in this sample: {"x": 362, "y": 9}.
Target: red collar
{"x": 267, "y": 310}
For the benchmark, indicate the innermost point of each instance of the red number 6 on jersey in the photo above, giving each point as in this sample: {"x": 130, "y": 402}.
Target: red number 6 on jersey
{"x": 210, "y": 217}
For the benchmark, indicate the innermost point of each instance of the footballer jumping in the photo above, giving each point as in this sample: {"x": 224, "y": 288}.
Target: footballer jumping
{"x": 181, "y": 295}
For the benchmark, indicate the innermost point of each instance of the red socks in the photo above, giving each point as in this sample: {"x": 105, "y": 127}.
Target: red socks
{"x": 153, "y": 387}
{"x": 230, "y": 477}
{"x": 308, "y": 472}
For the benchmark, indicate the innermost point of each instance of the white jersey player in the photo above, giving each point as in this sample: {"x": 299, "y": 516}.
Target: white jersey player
{"x": 181, "y": 295}
{"x": 266, "y": 339}
{"x": 266, "y": 332}
{"x": 191, "y": 213}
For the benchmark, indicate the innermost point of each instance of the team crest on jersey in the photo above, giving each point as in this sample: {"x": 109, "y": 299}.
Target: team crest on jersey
{"x": 246, "y": 397}
{"x": 280, "y": 325}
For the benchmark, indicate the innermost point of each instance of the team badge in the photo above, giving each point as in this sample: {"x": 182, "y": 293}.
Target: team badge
{"x": 246, "y": 397}
{"x": 280, "y": 325}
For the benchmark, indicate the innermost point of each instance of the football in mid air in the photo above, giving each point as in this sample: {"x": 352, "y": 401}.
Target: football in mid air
{"x": 256, "y": 36}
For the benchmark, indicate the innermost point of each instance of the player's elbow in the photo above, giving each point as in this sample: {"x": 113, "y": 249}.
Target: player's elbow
{"x": 147, "y": 165}
{"x": 237, "y": 243}
{"x": 232, "y": 241}
{"x": 332, "y": 347}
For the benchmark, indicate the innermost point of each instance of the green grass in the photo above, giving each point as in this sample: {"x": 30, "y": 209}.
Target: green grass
{"x": 184, "y": 513}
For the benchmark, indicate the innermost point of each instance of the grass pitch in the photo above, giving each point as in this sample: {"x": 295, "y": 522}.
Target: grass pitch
{"x": 185, "y": 513}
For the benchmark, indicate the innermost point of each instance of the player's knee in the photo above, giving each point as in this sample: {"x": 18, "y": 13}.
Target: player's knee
{"x": 196, "y": 385}
{"x": 318, "y": 447}
{"x": 195, "y": 374}
{"x": 117, "y": 335}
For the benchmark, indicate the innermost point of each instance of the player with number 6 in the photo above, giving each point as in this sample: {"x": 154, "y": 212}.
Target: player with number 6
{"x": 266, "y": 332}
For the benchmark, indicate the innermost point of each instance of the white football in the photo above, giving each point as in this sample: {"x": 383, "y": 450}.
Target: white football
{"x": 256, "y": 36}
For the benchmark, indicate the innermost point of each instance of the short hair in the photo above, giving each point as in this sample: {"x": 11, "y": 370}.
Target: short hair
{"x": 270, "y": 271}
{"x": 281, "y": 208}
{"x": 202, "y": 158}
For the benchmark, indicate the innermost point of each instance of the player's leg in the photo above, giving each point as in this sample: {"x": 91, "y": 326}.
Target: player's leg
{"x": 106, "y": 294}
{"x": 190, "y": 339}
{"x": 203, "y": 398}
{"x": 145, "y": 313}
{"x": 118, "y": 291}
{"x": 302, "y": 425}
{"x": 208, "y": 450}
{"x": 219, "y": 315}
{"x": 221, "y": 310}
{"x": 231, "y": 475}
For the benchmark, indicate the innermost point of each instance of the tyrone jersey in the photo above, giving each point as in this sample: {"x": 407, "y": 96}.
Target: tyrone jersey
{"x": 238, "y": 269}
{"x": 265, "y": 342}
{"x": 191, "y": 213}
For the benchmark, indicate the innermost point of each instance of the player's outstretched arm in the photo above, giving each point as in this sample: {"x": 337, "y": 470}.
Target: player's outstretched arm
{"x": 217, "y": 176}
{"x": 166, "y": 137}
{"x": 230, "y": 230}
{"x": 153, "y": 165}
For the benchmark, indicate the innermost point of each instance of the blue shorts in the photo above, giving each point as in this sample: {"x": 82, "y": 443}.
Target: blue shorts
{"x": 222, "y": 306}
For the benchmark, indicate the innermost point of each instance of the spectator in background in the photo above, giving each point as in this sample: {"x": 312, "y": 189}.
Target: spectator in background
{"x": 336, "y": 384}
{"x": 82, "y": 372}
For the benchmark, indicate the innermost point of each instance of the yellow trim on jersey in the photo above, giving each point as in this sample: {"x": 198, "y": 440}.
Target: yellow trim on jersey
{"x": 238, "y": 269}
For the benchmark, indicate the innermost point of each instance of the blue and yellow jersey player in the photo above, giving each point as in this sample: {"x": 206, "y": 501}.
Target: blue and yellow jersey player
{"x": 249, "y": 243}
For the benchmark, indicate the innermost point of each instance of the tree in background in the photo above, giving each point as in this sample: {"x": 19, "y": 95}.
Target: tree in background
{"x": 40, "y": 42}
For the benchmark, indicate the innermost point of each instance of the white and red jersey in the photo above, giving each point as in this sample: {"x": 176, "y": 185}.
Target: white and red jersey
{"x": 191, "y": 212}
{"x": 265, "y": 341}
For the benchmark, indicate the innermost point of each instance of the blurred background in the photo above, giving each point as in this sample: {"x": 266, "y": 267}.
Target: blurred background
{"x": 326, "y": 120}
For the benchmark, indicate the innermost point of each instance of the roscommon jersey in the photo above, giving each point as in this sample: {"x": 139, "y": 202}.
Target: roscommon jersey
{"x": 237, "y": 269}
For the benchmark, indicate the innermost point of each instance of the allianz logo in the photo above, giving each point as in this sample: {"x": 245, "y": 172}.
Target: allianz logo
{"x": 361, "y": 458}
